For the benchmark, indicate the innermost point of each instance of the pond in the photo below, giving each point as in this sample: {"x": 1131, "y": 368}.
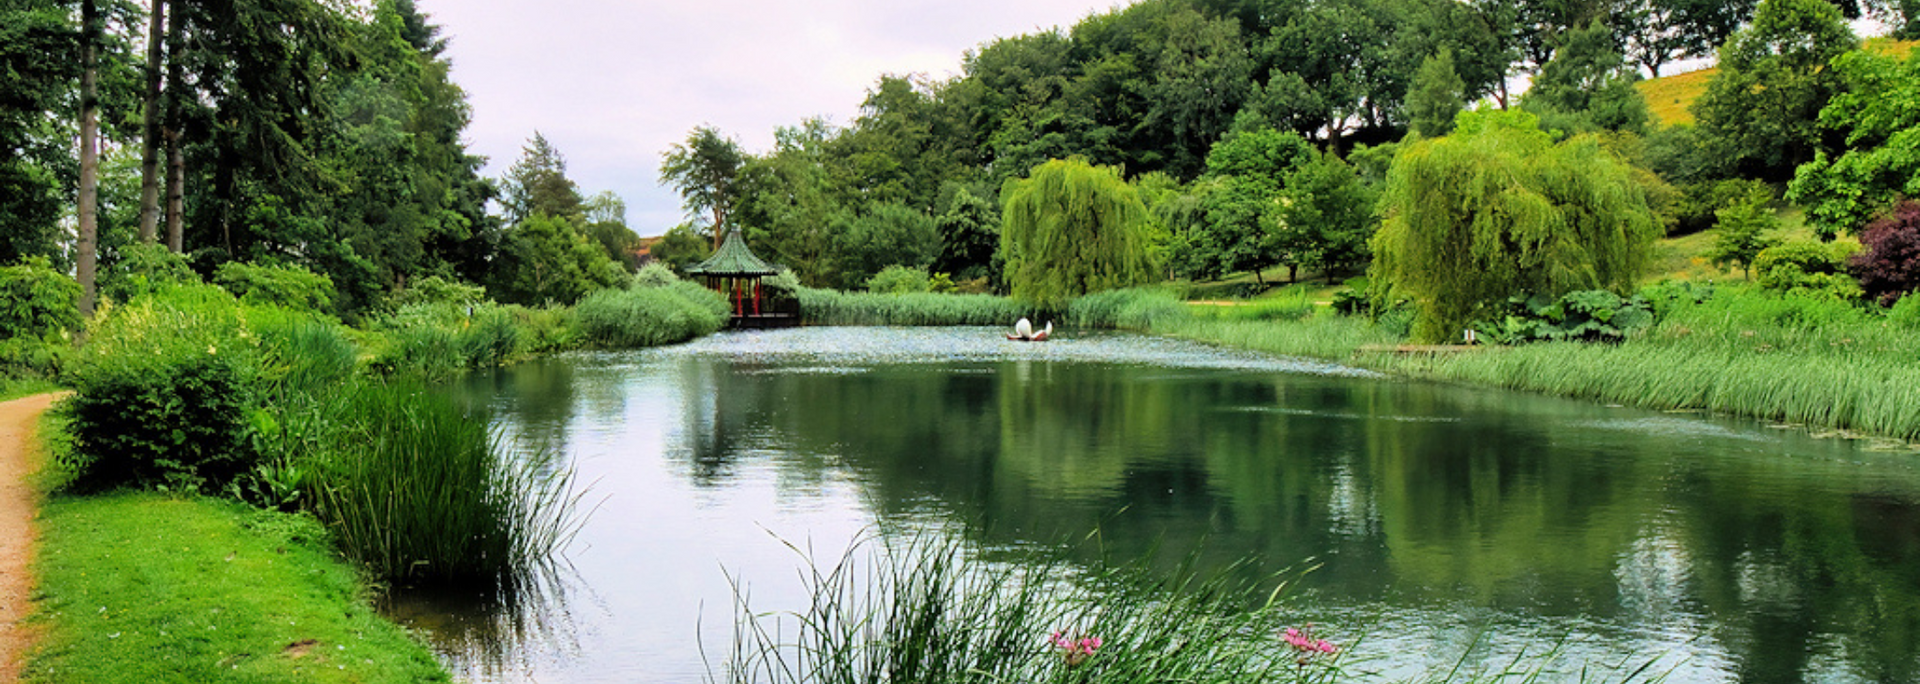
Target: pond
{"x": 1444, "y": 520}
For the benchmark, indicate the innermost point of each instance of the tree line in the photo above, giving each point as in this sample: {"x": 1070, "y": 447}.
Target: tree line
{"x": 1253, "y": 134}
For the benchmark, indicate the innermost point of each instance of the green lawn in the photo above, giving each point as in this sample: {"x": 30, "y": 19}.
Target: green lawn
{"x": 148, "y": 588}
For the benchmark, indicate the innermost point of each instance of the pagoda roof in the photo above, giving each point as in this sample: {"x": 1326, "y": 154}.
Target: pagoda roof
{"x": 733, "y": 259}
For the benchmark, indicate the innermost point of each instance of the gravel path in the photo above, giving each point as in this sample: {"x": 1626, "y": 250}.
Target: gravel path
{"x": 18, "y": 419}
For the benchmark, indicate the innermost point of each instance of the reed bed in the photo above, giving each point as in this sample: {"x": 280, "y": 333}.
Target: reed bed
{"x": 651, "y": 315}
{"x": 1143, "y": 308}
{"x": 414, "y": 486}
{"x": 830, "y": 307}
{"x": 930, "y": 611}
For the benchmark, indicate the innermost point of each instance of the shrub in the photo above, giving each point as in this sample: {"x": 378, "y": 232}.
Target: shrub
{"x": 547, "y": 329}
{"x": 143, "y": 269}
{"x": 165, "y": 394}
{"x": 655, "y": 274}
{"x": 415, "y": 486}
{"x": 36, "y": 300}
{"x": 899, "y": 280}
{"x": 1351, "y": 299}
{"x": 292, "y": 287}
{"x": 651, "y": 316}
{"x": 438, "y": 290}
{"x": 1587, "y": 315}
{"x": 490, "y": 338}
{"x": 302, "y": 354}
{"x": 1889, "y": 267}
{"x": 1808, "y": 268}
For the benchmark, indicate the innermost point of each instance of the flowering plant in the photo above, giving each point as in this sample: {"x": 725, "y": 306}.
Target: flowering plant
{"x": 1074, "y": 651}
{"x": 1305, "y": 645}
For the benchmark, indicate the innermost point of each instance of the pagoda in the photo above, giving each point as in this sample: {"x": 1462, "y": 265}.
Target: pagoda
{"x": 735, "y": 273}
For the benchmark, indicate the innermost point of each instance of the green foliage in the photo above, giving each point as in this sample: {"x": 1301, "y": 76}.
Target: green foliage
{"x": 1699, "y": 205}
{"x": 548, "y": 259}
{"x": 138, "y": 587}
{"x": 1072, "y": 228}
{"x": 1138, "y": 308}
{"x": 1497, "y": 209}
{"x": 1879, "y": 112}
{"x": 1588, "y": 85}
{"x": 413, "y": 486}
{"x": 1331, "y": 209}
{"x": 654, "y": 275}
{"x": 651, "y": 316}
{"x": 438, "y": 290}
{"x": 1352, "y": 298}
{"x": 681, "y": 247}
{"x": 438, "y": 341}
{"x": 830, "y": 307}
{"x": 704, "y": 169}
{"x": 37, "y": 301}
{"x": 538, "y": 184}
{"x": 899, "y": 280}
{"x": 1760, "y": 114}
{"x": 884, "y": 235}
{"x": 165, "y": 394}
{"x": 1585, "y": 316}
{"x": 936, "y": 611}
{"x": 291, "y": 287}
{"x": 1905, "y": 313}
{"x": 143, "y": 269}
{"x": 1809, "y": 268}
{"x": 1437, "y": 96}
{"x": 1743, "y": 232}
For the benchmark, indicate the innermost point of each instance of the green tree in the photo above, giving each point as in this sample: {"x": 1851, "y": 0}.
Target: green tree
{"x": 704, "y": 170}
{"x": 538, "y": 184}
{"x": 789, "y": 201}
{"x": 1760, "y": 113}
{"x": 1332, "y": 206}
{"x": 605, "y": 215}
{"x": 883, "y": 235}
{"x": 1659, "y": 32}
{"x": 969, "y": 232}
{"x": 1587, "y": 85}
{"x": 549, "y": 259}
{"x": 39, "y": 62}
{"x": 1438, "y": 95}
{"x": 680, "y": 247}
{"x": 1497, "y": 209}
{"x": 1071, "y": 228}
{"x": 1246, "y": 173}
{"x": 1743, "y": 232}
{"x": 1879, "y": 112}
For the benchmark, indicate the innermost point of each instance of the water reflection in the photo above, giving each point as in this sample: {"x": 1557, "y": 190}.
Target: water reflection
{"x": 1443, "y": 517}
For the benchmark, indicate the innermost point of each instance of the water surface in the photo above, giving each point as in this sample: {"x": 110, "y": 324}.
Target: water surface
{"x": 1444, "y": 520}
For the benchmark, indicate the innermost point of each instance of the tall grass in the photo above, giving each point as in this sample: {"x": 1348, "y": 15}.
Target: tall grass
{"x": 1130, "y": 309}
{"x": 926, "y": 610}
{"x": 414, "y": 486}
{"x": 649, "y": 316}
{"x": 830, "y": 307}
{"x": 931, "y": 610}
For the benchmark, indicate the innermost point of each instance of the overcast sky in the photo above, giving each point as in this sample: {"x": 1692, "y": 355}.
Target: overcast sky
{"x": 613, "y": 83}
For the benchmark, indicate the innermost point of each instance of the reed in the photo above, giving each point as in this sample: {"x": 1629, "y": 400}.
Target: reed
{"x": 649, "y": 316}
{"x": 932, "y": 610}
{"x": 1143, "y": 308}
{"x": 414, "y": 486}
{"x": 830, "y": 307}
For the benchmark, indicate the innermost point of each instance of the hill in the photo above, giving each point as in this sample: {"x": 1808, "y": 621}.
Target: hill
{"x": 1669, "y": 97}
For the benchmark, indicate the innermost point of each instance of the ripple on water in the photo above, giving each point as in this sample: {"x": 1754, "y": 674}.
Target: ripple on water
{"x": 817, "y": 349}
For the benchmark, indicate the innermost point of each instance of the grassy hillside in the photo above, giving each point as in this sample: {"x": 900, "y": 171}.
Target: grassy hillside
{"x": 1670, "y": 96}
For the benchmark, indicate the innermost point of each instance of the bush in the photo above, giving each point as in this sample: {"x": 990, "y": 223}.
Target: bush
{"x": 144, "y": 269}
{"x": 1588, "y": 316}
{"x": 166, "y": 394}
{"x": 651, "y": 316}
{"x": 438, "y": 290}
{"x": 291, "y": 287}
{"x": 38, "y": 314}
{"x": 655, "y": 274}
{"x": 899, "y": 280}
{"x": 1808, "y": 268}
{"x": 1889, "y": 267}
{"x": 1351, "y": 299}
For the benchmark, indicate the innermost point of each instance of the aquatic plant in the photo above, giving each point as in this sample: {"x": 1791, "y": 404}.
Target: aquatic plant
{"x": 649, "y": 316}
{"x": 415, "y": 486}
{"x": 830, "y": 307}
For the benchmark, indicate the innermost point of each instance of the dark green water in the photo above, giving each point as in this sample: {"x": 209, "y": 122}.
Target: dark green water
{"x": 1446, "y": 521}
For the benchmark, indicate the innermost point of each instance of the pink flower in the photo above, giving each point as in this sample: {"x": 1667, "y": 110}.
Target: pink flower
{"x": 1074, "y": 652}
{"x": 1303, "y": 641}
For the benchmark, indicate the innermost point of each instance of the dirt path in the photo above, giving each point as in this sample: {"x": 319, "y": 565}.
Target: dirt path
{"x": 17, "y": 421}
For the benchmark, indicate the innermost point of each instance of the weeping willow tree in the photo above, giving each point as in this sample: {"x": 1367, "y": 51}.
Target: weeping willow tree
{"x": 1496, "y": 210}
{"x": 1071, "y": 228}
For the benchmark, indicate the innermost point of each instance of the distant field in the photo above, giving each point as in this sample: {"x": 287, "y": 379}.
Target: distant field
{"x": 1670, "y": 96}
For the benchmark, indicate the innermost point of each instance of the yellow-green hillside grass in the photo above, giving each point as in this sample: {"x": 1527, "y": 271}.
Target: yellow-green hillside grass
{"x": 141, "y": 587}
{"x": 1670, "y": 98}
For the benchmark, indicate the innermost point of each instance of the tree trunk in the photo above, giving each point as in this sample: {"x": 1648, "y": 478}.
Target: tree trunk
{"x": 176, "y": 163}
{"x": 84, "y": 270}
{"x": 719, "y": 234}
{"x": 150, "y": 128}
{"x": 1293, "y": 273}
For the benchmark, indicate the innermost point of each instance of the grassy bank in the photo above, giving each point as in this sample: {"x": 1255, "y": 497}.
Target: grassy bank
{"x": 140, "y": 587}
{"x": 1807, "y": 361}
